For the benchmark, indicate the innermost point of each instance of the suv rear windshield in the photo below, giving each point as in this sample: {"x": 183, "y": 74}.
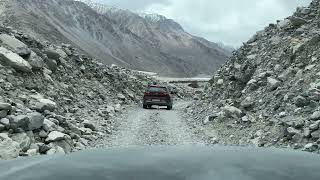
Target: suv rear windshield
{"x": 157, "y": 89}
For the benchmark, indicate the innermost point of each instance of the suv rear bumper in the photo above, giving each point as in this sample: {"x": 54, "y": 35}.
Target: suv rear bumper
{"x": 159, "y": 103}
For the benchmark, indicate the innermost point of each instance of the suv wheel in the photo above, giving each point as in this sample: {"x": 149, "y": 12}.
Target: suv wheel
{"x": 145, "y": 106}
{"x": 169, "y": 107}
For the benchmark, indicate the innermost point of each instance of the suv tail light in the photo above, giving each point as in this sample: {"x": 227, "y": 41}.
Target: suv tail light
{"x": 147, "y": 93}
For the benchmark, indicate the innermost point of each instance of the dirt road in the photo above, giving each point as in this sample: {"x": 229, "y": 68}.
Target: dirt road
{"x": 156, "y": 126}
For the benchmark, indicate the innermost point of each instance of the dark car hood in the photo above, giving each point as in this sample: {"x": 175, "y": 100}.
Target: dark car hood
{"x": 167, "y": 163}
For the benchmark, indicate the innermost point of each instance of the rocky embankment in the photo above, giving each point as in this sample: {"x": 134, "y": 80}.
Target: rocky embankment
{"x": 53, "y": 99}
{"x": 268, "y": 93}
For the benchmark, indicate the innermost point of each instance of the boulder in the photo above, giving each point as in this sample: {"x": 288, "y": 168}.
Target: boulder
{"x": 314, "y": 126}
{"x": 35, "y": 61}
{"x": 67, "y": 146}
{"x": 273, "y": 83}
{"x": 232, "y": 111}
{"x": 23, "y": 139}
{"x": 20, "y": 121}
{"x": 3, "y": 113}
{"x": 35, "y": 120}
{"x": 8, "y": 58}
{"x": 2, "y": 127}
{"x": 15, "y": 45}
{"x": 49, "y": 125}
{"x": 5, "y": 122}
{"x": 52, "y": 54}
{"x": 293, "y": 131}
{"x": 315, "y": 116}
{"x": 297, "y": 21}
{"x": 5, "y": 106}
{"x": 121, "y": 97}
{"x": 89, "y": 124}
{"x": 311, "y": 147}
{"x": 43, "y": 134}
{"x": 247, "y": 103}
{"x": 55, "y": 136}
{"x": 315, "y": 134}
{"x": 55, "y": 150}
{"x": 42, "y": 104}
{"x": 51, "y": 64}
{"x": 9, "y": 149}
{"x": 117, "y": 108}
{"x": 300, "y": 101}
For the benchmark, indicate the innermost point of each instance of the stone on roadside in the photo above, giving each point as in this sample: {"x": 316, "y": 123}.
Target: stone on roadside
{"x": 15, "y": 45}
{"x": 232, "y": 111}
{"x": 9, "y": 149}
{"x": 55, "y": 136}
{"x": 89, "y": 124}
{"x": 315, "y": 116}
{"x": 35, "y": 120}
{"x": 8, "y": 58}
{"x": 23, "y": 139}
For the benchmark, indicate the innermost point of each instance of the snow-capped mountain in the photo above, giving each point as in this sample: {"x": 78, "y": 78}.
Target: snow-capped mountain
{"x": 116, "y": 36}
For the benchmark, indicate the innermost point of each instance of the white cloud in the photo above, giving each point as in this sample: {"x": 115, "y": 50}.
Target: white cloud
{"x": 228, "y": 21}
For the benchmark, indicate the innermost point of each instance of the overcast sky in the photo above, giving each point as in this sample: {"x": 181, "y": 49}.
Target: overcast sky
{"x": 229, "y": 21}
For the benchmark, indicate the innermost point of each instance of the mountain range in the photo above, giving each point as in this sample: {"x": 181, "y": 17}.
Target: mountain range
{"x": 146, "y": 42}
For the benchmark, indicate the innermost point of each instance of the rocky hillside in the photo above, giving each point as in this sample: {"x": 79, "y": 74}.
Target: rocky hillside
{"x": 114, "y": 36}
{"x": 268, "y": 93}
{"x": 54, "y": 99}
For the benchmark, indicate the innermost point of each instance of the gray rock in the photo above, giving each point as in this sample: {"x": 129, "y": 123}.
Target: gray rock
{"x": 273, "y": 83}
{"x": 5, "y": 106}
{"x": 232, "y": 111}
{"x": 51, "y": 64}
{"x": 316, "y": 134}
{"x": 315, "y": 116}
{"x": 62, "y": 53}
{"x": 297, "y": 21}
{"x": 306, "y": 132}
{"x": 43, "y": 148}
{"x": 35, "y": 120}
{"x": 90, "y": 125}
{"x": 2, "y": 128}
{"x": 43, "y": 134}
{"x": 3, "y": 113}
{"x": 8, "y": 58}
{"x": 23, "y": 139}
{"x": 49, "y": 125}
{"x": 55, "y": 136}
{"x": 41, "y": 104}
{"x": 247, "y": 103}
{"x": 121, "y": 97}
{"x": 32, "y": 152}
{"x": 311, "y": 147}
{"x": 52, "y": 54}
{"x": 314, "y": 126}
{"x": 35, "y": 61}
{"x": 9, "y": 149}
{"x": 55, "y": 150}
{"x": 65, "y": 145}
{"x": 301, "y": 101}
{"x": 15, "y": 45}
{"x": 293, "y": 131}
{"x": 20, "y": 121}
{"x": 5, "y": 122}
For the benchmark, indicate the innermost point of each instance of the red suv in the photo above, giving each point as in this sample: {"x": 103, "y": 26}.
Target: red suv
{"x": 157, "y": 95}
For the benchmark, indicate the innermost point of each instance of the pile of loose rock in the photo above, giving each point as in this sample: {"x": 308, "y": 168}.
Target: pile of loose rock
{"x": 53, "y": 99}
{"x": 268, "y": 93}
